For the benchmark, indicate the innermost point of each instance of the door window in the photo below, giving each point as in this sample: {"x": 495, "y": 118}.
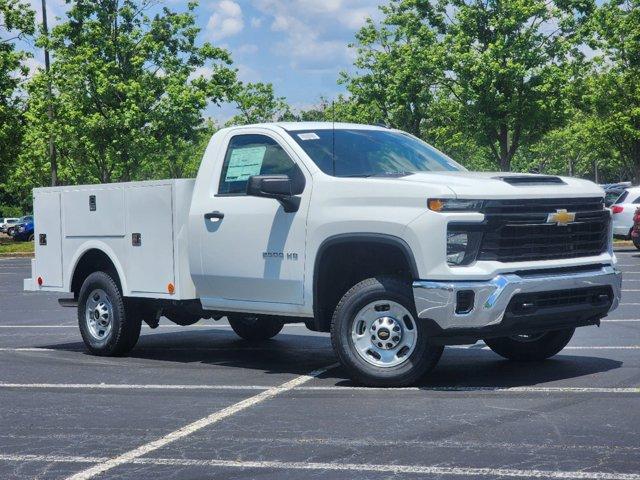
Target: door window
{"x": 249, "y": 155}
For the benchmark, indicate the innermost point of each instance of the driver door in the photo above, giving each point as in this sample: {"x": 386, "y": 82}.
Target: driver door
{"x": 251, "y": 249}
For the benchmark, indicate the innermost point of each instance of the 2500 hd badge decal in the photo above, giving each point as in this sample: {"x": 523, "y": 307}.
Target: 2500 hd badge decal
{"x": 280, "y": 255}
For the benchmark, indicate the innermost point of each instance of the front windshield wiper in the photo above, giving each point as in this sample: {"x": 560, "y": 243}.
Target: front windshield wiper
{"x": 378, "y": 174}
{"x": 391, "y": 174}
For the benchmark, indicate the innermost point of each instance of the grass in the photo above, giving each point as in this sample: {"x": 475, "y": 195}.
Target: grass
{"x": 9, "y": 246}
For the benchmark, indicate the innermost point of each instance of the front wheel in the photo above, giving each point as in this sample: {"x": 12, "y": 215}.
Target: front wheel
{"x": 636, "y": 242}
{"x": 376, "y": 335}
{"x": 530, "y": 348}
{"x": 255, "y": 329}
{"x": 107, "y": 328}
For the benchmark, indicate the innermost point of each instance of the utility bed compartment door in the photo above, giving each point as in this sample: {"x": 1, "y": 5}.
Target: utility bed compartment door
{"x": 94, "y": 213}
{"x": 48, "y": 238}
{"x": 150, "y": 218}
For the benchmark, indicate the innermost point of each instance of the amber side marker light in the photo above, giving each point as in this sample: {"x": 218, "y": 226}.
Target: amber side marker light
{"x": 171, "y": 289}
{"x": 436, "y": 205}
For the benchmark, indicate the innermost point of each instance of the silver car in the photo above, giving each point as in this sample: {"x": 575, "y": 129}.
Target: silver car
{"x": 6, "y": 223}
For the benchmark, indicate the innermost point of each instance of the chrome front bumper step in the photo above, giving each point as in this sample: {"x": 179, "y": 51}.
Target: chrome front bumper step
{"x": 437, "y": 300}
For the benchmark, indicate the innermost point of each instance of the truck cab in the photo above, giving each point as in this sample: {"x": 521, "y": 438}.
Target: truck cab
{"x": 364, "y": 232}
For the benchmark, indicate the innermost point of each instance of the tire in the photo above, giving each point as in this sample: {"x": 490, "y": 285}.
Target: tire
{"x": 636, "y": 242}
{"x": 30, "y": 238}
{"x": 108, "y": 328}
{"x": 377, "y": 308}
{"x": 531, "y": 349}
{"x": 255, "y": 329}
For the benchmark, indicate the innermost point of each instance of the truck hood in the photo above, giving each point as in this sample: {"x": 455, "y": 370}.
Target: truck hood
{"x": 497, "y": 185}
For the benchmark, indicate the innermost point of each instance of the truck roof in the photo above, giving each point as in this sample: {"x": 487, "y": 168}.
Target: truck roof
{"x": 300, "y": 126}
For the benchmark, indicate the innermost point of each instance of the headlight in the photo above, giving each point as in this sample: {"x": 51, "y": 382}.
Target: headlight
{"x": 463, "y": 243}
{"x": 454, "y": 205}
{"x": 21, "y": 229}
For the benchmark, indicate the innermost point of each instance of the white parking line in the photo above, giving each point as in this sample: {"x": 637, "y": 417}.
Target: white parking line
{"x": 489, "y": 389}
{"x": 187, "y": 430}
{"x": 118, "y": 386}
{"x": 344, "y": 467}
{"x": 50, "y": 459}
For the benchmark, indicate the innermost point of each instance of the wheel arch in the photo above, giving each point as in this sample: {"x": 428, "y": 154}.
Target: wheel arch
{"x": 92, "y": 257}
{"x": 398, "y": 248}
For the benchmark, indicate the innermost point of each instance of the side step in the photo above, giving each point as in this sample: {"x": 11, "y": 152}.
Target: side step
{"x": 68, "y": 302}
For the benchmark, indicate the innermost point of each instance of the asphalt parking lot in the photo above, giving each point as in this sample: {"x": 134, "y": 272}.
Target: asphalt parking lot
{"x": 197, "y": 402}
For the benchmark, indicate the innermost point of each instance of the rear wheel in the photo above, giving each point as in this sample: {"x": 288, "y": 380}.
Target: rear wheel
{"x": 255, "y": 329}
{"x": 636, "y": 242}
{"x": 376, "y": 335}
{"x": 108, "y": 328}
{"x": 528, "y": 348}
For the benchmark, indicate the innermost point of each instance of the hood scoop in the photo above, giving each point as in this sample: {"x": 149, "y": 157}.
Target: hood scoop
{"x": 531, "y": 180}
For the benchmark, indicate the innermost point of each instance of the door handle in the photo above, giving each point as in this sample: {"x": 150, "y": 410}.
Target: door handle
{"x": 214, "y": 215}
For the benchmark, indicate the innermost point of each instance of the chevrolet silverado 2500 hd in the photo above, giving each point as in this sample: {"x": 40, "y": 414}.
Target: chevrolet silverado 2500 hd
{"x": 361, "y": 231}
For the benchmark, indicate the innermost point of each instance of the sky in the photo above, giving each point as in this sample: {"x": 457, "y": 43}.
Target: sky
{"x": 300, "y": 46}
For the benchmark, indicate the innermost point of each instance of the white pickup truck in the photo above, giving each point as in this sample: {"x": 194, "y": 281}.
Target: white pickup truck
{"x": 365, "y": 232}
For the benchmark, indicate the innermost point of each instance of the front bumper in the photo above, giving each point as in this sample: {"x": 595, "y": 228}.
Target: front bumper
{"x": 493, "y": 315}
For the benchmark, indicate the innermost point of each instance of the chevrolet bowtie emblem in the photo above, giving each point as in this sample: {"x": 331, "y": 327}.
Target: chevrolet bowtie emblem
{"x": 561, "y": 217}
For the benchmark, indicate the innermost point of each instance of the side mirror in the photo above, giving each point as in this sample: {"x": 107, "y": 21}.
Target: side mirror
{"x": 278, "y": 187}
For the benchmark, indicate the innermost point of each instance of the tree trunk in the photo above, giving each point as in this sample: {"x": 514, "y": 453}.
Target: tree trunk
{"x": 635, "y": 159}
{"x": 503, "y": 139}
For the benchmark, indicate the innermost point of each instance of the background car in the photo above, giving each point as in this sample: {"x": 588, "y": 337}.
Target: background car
{"x": 623, "y": 210}
{"x": 23, "y": 230}
{"x": 5, "y": 223}
{"x": 612, "y": 191}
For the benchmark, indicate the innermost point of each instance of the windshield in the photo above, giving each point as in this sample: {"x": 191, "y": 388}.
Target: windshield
{"x": 367, "y": 153}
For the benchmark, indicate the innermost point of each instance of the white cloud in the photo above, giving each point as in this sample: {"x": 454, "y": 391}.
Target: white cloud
{"x": 247, "y": 73}
{"x": 55, "y": 10}
{"x": 33, "y": 64}
{"x": 315, "y": 34}
{"x": 256, "y": 22}
{"x": 226, "y": 21}
{"x": 247, "y": 49}
{"x": 203, "y": 71}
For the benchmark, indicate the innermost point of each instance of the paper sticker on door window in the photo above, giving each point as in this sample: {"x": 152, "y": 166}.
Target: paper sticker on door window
{"x": 308, "y": 136}
{"x": 244, "y": 163}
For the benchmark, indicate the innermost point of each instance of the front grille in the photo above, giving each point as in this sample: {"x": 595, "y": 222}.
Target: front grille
{"x": 517, "y": 230}
{"x": 528, "y": 303}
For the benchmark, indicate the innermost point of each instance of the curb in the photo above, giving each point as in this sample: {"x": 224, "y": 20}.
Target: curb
{"x": 5, "y": 256}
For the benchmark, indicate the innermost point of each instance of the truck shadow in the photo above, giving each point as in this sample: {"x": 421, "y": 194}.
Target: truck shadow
{"x": 299, "y": 354}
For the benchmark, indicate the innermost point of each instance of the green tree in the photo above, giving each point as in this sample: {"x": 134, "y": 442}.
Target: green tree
{"x": 398, "y": 69}
{"x": 479, "y": 79}
{"x": 258, "y": 103}
{"x": 510, "y": 64}
{"x": 16, "y": 22}
{"x": 613, "y": 96}
{"x": 128, "y": 89}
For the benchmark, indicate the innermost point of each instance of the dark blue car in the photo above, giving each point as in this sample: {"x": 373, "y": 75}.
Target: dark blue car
{"x": 23, "y": 231}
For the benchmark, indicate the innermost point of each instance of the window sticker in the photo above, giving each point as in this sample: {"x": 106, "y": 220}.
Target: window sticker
{"x": 244, "y": 163}
{"x": 308, "y": 136}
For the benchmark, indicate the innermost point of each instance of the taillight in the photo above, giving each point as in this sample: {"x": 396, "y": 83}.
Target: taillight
{"x": 617, "y": 209}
